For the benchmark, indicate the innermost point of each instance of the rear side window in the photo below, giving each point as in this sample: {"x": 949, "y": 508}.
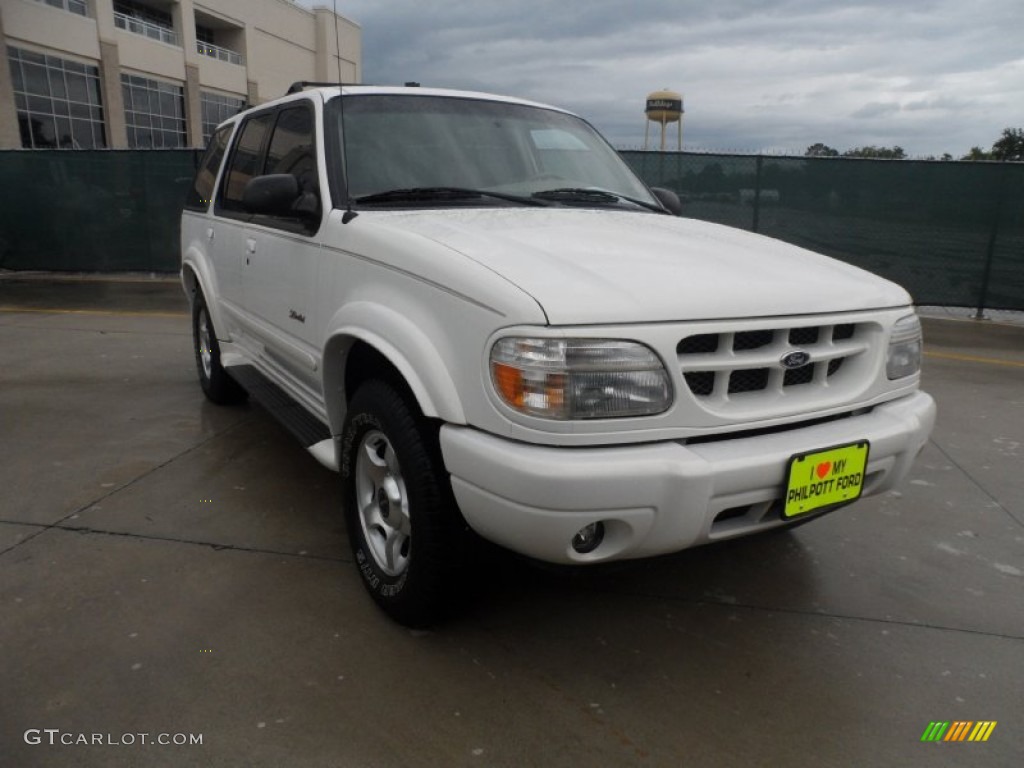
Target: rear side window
{"x": 201, "y": 193}
{"x": 246, "y": 160}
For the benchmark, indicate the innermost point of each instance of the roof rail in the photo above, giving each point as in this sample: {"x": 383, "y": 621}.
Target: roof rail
{"x": 301, "y": 85}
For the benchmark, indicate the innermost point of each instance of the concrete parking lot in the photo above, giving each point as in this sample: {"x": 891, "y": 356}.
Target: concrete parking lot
{"x": 176, "y": 569}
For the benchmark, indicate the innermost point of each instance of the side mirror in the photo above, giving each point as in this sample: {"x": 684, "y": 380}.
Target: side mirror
{"x": 669, "y": 199}
{"x": 273, "y": 194}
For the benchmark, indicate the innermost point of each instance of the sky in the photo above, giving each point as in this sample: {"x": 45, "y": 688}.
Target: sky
{"x": 770, "y": 76}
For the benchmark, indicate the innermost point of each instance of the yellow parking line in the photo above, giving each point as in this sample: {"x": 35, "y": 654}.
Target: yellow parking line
{"x": 107, "y": 312}
{"x": 974, "y": 359}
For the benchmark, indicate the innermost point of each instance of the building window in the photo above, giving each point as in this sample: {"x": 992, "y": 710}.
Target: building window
{"x": 216, "y": 109}
{"x": 144, "y": 20}
{"x": 144, "y": 13}
{"x": 205, "y": 35}
{"x": 154, "y": 113}
{"x": 75, "y": 6}
{"x": 57, "y": 101}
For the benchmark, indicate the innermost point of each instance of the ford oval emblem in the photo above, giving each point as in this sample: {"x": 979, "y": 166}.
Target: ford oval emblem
{"x": 795, "y": 359}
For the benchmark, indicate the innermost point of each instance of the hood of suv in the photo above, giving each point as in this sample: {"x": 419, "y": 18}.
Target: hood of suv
{"x": 606, "y": 267}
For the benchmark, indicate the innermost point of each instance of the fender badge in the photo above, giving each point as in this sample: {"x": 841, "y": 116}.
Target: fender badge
{"x": 795, "y": 359}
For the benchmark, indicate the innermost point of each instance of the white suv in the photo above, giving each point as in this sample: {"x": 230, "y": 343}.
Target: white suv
{"x": 471, "y": 307}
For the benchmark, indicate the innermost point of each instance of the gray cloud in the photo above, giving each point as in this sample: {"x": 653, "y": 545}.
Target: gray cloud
{"x": 931, "y": 75}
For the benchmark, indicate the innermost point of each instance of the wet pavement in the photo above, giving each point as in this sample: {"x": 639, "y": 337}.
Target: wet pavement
{"x": 172, "y": 568}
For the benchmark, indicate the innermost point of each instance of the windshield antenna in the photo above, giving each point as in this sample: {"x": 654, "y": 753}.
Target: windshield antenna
{"x": 349, "y": 213}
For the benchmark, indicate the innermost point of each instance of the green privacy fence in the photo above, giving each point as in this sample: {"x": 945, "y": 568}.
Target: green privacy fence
{"x": 92, "y": 210}
{"x": 951, "y": 233}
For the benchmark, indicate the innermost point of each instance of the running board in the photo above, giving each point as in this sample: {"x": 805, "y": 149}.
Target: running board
{"x": 304, "y": 426}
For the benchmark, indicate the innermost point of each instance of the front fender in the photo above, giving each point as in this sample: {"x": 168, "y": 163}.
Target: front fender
{"x": 404, "y": 345}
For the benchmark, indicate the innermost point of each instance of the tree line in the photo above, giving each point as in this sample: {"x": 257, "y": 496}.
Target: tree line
{"x": 1009, "y": 146}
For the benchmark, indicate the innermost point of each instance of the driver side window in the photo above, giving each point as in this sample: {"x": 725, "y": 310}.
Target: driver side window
{"x": 246, "y": 161}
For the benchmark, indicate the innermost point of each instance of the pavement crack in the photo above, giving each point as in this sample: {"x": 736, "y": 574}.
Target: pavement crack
{"x": 113, "y": 491}
{"x": 214, "y": 545}
{"x": 977, "y": 484}
{"x": 816, "y": 614}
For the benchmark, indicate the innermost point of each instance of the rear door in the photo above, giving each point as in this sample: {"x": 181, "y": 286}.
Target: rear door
{"x": 199, "y": 229}
{"x": 280, "y": 253}
{"x": 230, "y": 231}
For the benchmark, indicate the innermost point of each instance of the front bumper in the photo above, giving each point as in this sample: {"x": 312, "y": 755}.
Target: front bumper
{"x": 659, "y": 497}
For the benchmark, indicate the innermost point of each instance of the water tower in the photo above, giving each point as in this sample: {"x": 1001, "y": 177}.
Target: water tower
{"x": 664, "y": 107}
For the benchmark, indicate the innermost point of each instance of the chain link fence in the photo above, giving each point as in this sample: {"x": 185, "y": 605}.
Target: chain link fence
{"x": 951, "y": 233}
{"x": 93, "y": 210}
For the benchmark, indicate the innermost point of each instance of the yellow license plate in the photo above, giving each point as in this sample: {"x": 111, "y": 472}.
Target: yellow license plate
{"x": 824, "y": 478}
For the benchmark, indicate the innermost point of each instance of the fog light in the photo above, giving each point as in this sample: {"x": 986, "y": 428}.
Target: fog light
{"x": 588, "y": 538}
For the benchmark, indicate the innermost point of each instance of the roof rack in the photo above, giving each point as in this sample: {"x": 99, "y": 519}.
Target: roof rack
{"x": 301, "y": 85}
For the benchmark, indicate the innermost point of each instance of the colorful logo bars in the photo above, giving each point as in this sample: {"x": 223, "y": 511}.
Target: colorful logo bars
{"x": 959, "y": 730}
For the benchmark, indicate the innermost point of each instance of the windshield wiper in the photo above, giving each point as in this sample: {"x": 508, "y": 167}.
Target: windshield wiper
{"x": 442, "y": 194}
{"x": 591, "y": 195}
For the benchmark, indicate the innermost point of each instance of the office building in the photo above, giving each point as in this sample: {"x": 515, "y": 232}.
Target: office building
{"x": 84, "y": 74}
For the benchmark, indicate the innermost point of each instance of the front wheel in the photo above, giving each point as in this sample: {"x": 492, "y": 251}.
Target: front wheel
{"x": 403, "y": 526}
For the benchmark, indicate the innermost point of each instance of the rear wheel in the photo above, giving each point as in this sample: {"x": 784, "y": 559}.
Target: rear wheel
{"x": 405, "y": 531}
{"x": 217, "y": 385}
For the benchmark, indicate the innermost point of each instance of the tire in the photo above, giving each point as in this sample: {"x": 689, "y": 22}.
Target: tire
{"x": 394, "y": 485}
{"x": 217, "y": 385}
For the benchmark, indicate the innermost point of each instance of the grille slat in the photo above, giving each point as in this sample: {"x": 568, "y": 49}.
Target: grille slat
{"x": 701, "y": 383}
{"x": 799, "y": 376}
{"x": 749, "y": 380}
{"x": 803, "y": 337}
{"x": 703, "y": 344}
{"x": 843, "y": 332}
{"x": 747, "y": 340}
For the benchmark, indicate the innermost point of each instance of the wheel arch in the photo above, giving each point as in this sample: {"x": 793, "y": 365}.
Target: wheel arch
{"x": 196, "y": 275}
{"x": 370, "y": 340}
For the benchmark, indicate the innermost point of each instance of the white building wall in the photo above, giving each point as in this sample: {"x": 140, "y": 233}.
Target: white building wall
{"x": 50, "y": 28}
{"x": 150, "y": 57}
{"x": 280, "y": 43}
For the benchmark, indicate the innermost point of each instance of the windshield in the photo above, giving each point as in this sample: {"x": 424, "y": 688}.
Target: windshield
{"x": 413, "y": 142}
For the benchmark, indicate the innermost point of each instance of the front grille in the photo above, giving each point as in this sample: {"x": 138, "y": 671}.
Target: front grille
{"x": 799, "y": 376}
{"x": 701, "y": 344}
{"x": 701, "y": 383}
{"x": 748, "y": 380}
{"x": 742, "y": 365}
{"x": 843, "y": 332}
{"x": 752, "y": 340}
{"x": 801, "y": 337}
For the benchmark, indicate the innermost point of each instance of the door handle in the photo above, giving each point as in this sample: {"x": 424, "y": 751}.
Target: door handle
{"x": 250, "y": 246}
{"x": 209, "y": 234}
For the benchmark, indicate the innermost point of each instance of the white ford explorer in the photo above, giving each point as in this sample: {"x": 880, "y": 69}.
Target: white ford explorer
{"x": 471, "y": 308}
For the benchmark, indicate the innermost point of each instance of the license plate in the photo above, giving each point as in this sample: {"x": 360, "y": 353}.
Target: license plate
{"x": 824, "y": 478}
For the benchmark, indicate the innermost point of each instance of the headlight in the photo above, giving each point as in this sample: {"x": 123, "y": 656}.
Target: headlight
{"x": 579, "y": 378}
{"x": 904, "y": 358}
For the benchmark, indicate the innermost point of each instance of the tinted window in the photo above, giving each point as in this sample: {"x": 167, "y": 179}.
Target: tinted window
{"x": 291, "y": 148}
{"x": 201, "y": 194}
{"x": 246, "y": 161}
